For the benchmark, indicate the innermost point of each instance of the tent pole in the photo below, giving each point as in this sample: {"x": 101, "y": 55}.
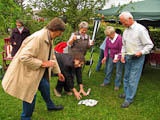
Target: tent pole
{"x": 96, "y": 27}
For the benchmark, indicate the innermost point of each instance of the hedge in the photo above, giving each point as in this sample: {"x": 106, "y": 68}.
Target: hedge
{"x": 155, "y": 36}
{"x": 100, "y": 36}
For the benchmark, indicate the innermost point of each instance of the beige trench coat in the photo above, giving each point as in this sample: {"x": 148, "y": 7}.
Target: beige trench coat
{"x": 24, "y": 73}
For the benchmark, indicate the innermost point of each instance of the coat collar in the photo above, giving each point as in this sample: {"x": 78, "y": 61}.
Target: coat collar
{"x": 47, "y": 37}
{"x": 24, "y": 30}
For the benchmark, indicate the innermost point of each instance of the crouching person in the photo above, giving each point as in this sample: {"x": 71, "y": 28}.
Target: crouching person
{"x": 68, "y": 63}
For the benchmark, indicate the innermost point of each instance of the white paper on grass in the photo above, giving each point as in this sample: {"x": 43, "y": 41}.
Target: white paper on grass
{"x": 88, "y": 102}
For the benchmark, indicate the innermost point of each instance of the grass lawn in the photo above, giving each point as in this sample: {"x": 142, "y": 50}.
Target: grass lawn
{"x": 146, "y": 104}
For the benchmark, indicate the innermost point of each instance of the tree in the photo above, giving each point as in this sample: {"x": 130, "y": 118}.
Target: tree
{"x": 20, "y": 3}
{"x": 72, "y": 11}
{"x": 9, "y": 11}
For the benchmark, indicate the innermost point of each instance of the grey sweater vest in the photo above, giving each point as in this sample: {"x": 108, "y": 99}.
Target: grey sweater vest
{"x": 79, "y": 45}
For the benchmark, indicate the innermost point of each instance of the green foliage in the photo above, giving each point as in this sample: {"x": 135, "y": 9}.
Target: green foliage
{"x": 100, "y": 36}
{"x": 65, "y": 36}
{"x": 29, "y": 22}
{"x": 155, "y": 36}
{"x": 34, "y": 25}
{"x": 72, "y": 11}
{"x": 9, "y": 12}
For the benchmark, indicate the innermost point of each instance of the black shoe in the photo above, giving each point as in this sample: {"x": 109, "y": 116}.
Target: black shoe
{"x": 87, "y": 62}
{"x": 56, "y": 108}
{"x": 125, "y": 104}
{"x": 122, "y": 95}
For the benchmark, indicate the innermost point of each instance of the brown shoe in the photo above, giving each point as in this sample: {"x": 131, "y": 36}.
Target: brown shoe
{"x": 57, "y": 93}
{"x": 102, "y": 85}
{"x": 68, "y": 93}
{"x": 116, "y": 88}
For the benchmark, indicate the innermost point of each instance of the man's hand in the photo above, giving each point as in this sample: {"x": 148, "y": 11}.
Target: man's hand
{"x": 115, "y": 61}
{"x": 83, "y": 92}
{"x": 61, "y": 77}
{"x": 74, "y": 37}
{"x": 77, "y": 94}
{"x": 92, "y": 42}
{"x": 14, "y": 43}
{"x": 72, "y": 40}
{"x": 138, "y": 54}
{"x": 104, "y": 60}
{"x": 122, "y": 60}
{"x": 48, "y": 64}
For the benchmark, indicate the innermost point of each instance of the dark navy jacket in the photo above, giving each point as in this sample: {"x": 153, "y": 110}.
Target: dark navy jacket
{"x": 66, "y": 64}
{"x": 18, "y": 37}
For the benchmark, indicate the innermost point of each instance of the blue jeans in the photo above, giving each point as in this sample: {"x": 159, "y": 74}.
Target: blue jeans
{"x": 109, "y": 69}
{"x": 101, "y": 56}
{"x": 28, "y": 108}
{"x": 133, "y": 70}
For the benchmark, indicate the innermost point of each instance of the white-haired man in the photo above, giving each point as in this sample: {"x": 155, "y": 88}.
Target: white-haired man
{"x": 136, "y": 43}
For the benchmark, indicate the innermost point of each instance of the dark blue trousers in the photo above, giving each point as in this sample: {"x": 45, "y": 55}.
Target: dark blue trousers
{"x": 28, "y": 108}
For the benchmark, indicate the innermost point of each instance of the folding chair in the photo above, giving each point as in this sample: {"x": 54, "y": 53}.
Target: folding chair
{"x": 1, "y": 72}
{"x": 6, "y": 54}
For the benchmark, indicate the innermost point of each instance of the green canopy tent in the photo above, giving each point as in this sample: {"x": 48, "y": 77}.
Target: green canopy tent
{"x": 147, "y": 11}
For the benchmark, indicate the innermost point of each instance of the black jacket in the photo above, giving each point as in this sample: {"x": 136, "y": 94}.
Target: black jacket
{"x": 66, "y": 64}
{"x": 18, "y": 37}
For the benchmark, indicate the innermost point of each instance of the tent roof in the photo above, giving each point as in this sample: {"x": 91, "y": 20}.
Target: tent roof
{"x": 143, "y": 10}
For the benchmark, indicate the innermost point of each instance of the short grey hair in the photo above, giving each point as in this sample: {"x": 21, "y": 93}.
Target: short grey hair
{"x": 126, "y": 15}
{"x": 109, "y": 30}
{"x": 83, "y": 24}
